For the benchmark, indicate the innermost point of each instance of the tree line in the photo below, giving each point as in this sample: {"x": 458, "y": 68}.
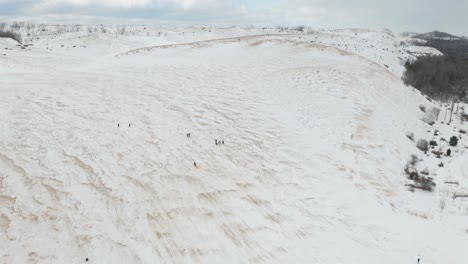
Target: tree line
{"x": 441, "y": 77}
{"x": 10, "y": 34}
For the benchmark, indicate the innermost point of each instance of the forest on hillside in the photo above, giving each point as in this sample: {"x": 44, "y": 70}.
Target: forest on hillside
{"x": 441, "y": 77}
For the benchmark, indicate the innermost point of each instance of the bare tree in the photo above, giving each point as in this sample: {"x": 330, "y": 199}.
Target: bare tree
{"x": 452, "y": 107}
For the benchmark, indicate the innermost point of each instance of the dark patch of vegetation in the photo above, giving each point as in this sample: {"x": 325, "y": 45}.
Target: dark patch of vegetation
{"x": 425, "y": 183}
{"x": 422, "y": 108}
{"x": 11, "y": 35}
{"x": 410, "y": 136}
{"x": 453, "y": 141}
{"x": 423, "y": 145}
{"x": 410, "y": 168}
{"x": 464, "y": 117}
{"x": 438, "y": 153}
{"x": 442, "y": 77}
{"x": 420, "y": 182}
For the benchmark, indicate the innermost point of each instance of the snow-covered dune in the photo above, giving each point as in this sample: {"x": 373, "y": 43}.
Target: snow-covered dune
{"x": 95, "y": 161}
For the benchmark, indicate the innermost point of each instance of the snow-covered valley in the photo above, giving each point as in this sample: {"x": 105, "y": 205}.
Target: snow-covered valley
{"x": 95, "y": 161}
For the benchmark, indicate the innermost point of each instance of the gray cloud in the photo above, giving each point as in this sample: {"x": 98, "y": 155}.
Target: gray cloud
{"x": 127, "y": 11}
{"x": 399, "y": 15}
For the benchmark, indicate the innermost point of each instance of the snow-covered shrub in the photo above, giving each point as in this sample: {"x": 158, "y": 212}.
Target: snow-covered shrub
{"x": 422, "y": 108}
{"x": 425, "y": 183}
{"x": 430, "y": 115}
{"x": 438, "y": 153}
{"x": 413, "y": 160}
{"x": 420, "y": 182}
{"x": 434, "y": 113}
{"x": 423, "y": 145}
{"x": 410, "y": 168}
{"x": 410, "y": 135}
{"x": 464, "y": 117}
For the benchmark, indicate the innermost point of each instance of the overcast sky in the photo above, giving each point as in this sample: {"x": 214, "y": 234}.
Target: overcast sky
{"x": 398, "y": 15}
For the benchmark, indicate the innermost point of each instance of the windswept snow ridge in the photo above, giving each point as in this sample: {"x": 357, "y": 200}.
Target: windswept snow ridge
{"x": 95, "y": 161}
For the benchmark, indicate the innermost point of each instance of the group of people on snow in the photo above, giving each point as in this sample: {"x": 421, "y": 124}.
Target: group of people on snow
{"x": 217, "y": 143}
{"x": 129, "y": 125}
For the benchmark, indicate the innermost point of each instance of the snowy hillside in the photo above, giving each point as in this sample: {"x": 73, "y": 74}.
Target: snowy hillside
{"x": 96, "y": 165}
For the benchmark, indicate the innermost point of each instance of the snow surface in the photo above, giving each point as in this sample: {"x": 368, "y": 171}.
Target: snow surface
{"x": 311, "y": 170}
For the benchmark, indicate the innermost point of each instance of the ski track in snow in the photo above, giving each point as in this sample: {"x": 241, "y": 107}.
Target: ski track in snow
{"x": 311, "y": 165}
